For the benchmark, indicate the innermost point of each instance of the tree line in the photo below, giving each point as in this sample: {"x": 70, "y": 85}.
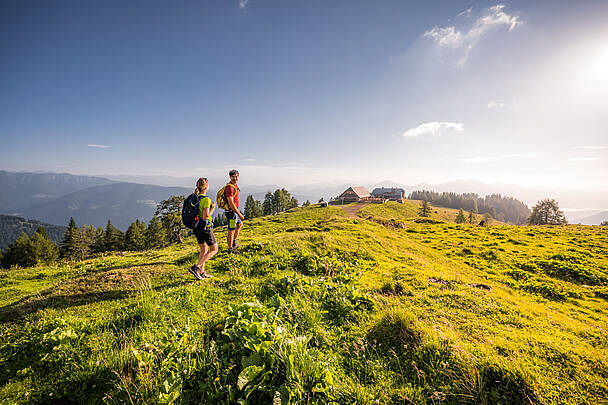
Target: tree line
{"x": 164, "y": 228}
{"x": 504, "y": 209}
{"x": 274, "y": 202}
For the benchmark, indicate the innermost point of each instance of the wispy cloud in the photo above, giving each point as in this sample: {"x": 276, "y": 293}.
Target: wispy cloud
{"x": 591, "y": 147}
{"x": 484, "y": 159}
{"x": 495, "y": 104}
{"x": 465, "y": 13}
{"x": 465, "y": 40}
{"x": 434, "y": 128}
{"x": 92, "y": 145}
{"x": 582, "y": 159}
{"x": 243, "y": 3}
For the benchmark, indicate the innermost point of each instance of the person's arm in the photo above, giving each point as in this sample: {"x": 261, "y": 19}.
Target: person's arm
{"x": 233, "y": 207}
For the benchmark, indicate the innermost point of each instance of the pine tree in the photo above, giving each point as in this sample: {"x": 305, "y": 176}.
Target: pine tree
{"x": 267, "y": 205}
{"x": 471, "y": 217}
{"x": 72, "y": 244}
{"x": 155, "y": 234}
{"x": 425, "y": 209}
{"x": 460, "y": 219}
{"x": 220, "y": 220}
{"x": 253, "y": 208}
{"x": 43, "y": 249}
{"x": 19, "y": 253}
{"x": 135, "y": 236}
{"x": 113, "y": 238}
{"x": 306, "y": 203}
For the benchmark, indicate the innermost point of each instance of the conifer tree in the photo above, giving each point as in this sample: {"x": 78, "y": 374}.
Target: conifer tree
{"x": 306, "y": 203}
{"x": 135, "y": 236}
{"x": 43, "y": 250}
{"x": 425, "y": 209}
{"x": 113, "y": 238}
{"x": 471, "y": 217}
{"x": 19, "y": 253}
{"x": 460, "y": 219}
{"x": 72, "y": 246}
{"x": 253, "y": 208}
{"x": 267, "y": 205}
{"x": 155, "y": 234}
{"x": 220, "y": 220}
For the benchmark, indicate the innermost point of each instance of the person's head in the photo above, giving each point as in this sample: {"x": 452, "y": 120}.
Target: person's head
{"x": 234, "y": 175}
{"x": 202, "y": 185}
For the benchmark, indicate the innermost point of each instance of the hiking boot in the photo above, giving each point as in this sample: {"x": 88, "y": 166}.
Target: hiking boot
{"x": 205, "y": 275}
{"x": 194, "y": 271}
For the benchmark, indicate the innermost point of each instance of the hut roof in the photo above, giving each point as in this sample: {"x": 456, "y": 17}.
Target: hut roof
{"x": 360, "y": 191}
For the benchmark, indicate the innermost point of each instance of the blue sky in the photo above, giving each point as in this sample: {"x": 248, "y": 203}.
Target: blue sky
{"x": 298, "y": 92}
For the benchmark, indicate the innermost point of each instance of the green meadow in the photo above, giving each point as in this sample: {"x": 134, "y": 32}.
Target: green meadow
{"x": 321, "y": 305}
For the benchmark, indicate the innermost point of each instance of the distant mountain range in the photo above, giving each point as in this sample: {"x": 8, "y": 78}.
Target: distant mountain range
{"x": 122, "y": 203}
{"x": 54, "y": 198}
{"x": 11, "y": 228}
{"x": 594, "y": 219}
{"x": 21, "y": 190}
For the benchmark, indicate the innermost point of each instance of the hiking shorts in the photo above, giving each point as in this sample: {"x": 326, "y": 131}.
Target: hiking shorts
{"x": 233, "y": 220}
{"x": 205, "y": 235}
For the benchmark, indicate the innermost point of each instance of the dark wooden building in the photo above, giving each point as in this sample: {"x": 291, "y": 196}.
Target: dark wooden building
{"x": 391, "y": 194}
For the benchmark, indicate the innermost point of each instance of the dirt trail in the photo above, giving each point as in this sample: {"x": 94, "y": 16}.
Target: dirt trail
{"x": 352, "y": 210}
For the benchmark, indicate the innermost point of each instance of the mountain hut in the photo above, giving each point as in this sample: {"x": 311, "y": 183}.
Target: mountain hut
{"x": 354, "y": 194}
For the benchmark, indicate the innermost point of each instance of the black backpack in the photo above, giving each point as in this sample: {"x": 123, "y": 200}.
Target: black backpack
{"x": 190, "y": 216}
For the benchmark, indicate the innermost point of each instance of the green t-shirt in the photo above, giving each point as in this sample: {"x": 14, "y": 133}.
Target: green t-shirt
{"x": 205, "y": 202}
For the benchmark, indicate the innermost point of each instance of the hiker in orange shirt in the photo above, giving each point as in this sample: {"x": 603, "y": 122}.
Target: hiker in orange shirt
{"x": 233, "y": 215}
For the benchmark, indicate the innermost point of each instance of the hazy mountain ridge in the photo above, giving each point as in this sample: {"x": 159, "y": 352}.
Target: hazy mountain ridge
{"x": 594, "y": 219}
{"x": 122, "y": 203}
{"x": 23, "y": 189}
{"x": 11, "y": 228}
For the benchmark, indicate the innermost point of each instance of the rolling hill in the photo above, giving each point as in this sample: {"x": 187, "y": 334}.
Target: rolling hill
{"x": 11, "y": 227}
{"x": 343, "y": 304}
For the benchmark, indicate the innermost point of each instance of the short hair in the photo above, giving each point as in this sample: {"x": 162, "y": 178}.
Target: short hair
{"x": 233, "y": 172}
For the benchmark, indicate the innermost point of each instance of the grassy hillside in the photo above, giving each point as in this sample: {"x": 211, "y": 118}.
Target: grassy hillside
{"x": 321, "y": 305}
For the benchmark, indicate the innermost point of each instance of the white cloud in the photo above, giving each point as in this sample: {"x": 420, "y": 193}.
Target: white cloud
{"x": 484, "y": 159}
{"x": 92, "y": 145}
{"x": 243, "y": 3}
{"x": 434, "y": 128}
{"x": 250, "y": 160}
{"x": 591, "y": 147}
{"x": 495, "y": 104}
{"x": 582, "y": 159}
{"x": 463, "y": 40}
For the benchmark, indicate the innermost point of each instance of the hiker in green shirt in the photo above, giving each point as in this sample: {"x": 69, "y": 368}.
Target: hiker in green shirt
{"x": 204, "y": 230}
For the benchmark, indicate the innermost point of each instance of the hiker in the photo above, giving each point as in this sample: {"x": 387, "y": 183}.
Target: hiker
{"x": 233, "y": 215}
{"x": 204, "y": 230}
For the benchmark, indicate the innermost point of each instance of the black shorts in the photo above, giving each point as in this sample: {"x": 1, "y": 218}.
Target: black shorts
{"x": 205, "y": 235}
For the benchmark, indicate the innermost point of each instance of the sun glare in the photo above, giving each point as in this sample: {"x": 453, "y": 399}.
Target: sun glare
{"x": 597, "y": 65}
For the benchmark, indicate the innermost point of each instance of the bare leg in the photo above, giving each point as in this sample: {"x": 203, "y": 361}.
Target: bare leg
{"x": 230, "y": 237}
{"x": 211, "y": 251}
{"x": 201, "y": 254}
{"x": 236, "y": 231}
